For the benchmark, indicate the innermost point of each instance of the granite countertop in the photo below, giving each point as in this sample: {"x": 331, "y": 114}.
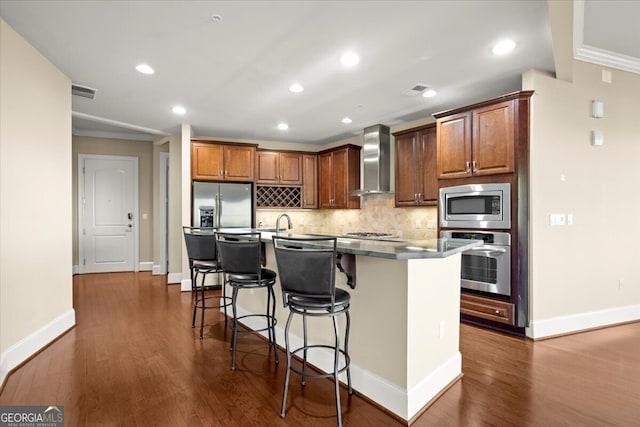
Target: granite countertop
{"x": 392, "y": 248}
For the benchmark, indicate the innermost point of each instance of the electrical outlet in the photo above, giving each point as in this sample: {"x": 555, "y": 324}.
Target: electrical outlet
{"x": 417, "y": 224}
{"x": 431, "y": 224}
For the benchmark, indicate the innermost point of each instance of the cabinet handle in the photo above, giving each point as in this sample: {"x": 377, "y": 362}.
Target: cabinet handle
{"x": 474, "y": 168}
{"x": 497, "y": 312}
{"x": 221, "y": 172}
{"x": 467, "y": 166}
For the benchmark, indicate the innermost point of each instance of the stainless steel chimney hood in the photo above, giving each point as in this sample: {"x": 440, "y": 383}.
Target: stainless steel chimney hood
{"x": 376, "y": 164}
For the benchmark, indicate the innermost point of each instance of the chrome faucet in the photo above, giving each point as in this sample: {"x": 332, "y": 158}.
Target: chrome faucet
{"x": 289, "y": 225}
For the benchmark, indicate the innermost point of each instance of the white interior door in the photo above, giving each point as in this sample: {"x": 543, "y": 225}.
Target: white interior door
{"x": 108, "y": 220}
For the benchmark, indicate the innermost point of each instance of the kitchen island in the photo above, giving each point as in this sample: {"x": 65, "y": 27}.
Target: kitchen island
{"x": 405, "y": 316}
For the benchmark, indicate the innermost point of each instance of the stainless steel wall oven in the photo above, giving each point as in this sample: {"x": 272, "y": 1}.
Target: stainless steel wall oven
{"x": 486, "y": 268}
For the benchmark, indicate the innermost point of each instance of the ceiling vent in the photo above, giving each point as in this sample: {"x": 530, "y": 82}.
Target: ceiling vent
{"x": 83, "y": 91}
{"x": 415, "y": 90}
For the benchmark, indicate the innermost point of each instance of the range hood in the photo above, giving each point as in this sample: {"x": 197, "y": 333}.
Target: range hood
{"x": 376, "y": 164}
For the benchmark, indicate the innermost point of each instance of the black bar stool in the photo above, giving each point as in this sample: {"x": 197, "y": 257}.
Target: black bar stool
{"x": 306, "y": 267}
{"x": 240, "y": 259}
{"x": 203, "y": 259}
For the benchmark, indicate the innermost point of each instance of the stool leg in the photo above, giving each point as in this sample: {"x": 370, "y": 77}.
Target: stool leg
{"x": 234, "y": 335}
{"x": 287, "y": 375}
{"x": 336, "y": 358}
{"x": 194, "y": 290}
{"x": 346, "y": 352}
{"x": 224, "y": 295}
{"x": 304, "y": 351}
{"x": 203, "y": 302}
{"x": 271, "y": 297}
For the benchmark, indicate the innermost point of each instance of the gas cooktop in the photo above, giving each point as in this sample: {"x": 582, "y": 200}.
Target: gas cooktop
{"x": 369, "y": 235}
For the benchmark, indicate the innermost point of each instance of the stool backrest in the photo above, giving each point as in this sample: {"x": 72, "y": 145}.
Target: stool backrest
{"x": 306, "y": 266}
{"x": 201, "y": 243}
{"x": 239, "y": 253}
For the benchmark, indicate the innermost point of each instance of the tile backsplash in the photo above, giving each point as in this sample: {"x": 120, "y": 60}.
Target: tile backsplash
{"x": 377, "y": 214}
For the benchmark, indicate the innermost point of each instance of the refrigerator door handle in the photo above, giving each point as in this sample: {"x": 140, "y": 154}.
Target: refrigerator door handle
{"x": 219, "y": 213}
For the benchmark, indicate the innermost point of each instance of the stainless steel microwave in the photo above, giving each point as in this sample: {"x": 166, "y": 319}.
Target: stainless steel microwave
{"x": 476, "y": 206}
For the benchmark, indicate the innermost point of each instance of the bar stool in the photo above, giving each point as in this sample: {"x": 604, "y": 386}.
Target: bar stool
{"x": 240, "y": 256}
{"x": 203, "y": 259}
{"x": 306, "y": 267}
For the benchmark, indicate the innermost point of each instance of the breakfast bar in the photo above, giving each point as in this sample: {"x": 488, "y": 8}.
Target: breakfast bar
{"x": 405, "y": 309}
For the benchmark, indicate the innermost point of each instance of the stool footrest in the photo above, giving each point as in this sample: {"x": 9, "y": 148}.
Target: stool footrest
{"x": 347, "y": 361}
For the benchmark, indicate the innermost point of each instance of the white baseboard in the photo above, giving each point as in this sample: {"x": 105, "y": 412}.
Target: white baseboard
{"x": 185, "y": 285}
{"x": 23, "y": 349}
{"x": 582, "y": 321}
{"x": 174, "y": 278}
{"x": 401, "y": 402}
{"x": 145, "y": 266}
{"x": 156, "y": 270}
{"x": 75, "y": 269}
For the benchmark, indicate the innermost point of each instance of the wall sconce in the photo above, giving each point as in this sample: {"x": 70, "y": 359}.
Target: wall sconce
{"x": 597, "y": 109}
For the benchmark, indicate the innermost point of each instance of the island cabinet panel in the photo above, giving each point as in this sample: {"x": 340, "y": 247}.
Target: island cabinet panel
{"x": 309, "y": 181}
{"x": 339, "y": 175}
{"x": 477, "y": 142}
{"x": 222, "y": 162}
{"x": 416, "y": 172}
{"x": 281, "y": 168}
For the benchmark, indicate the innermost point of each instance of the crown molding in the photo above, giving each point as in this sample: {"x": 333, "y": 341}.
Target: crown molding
{"x": 594, "y": 55}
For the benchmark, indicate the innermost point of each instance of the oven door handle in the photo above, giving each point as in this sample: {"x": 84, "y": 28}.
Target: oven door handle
{"x": 487, "y": 252}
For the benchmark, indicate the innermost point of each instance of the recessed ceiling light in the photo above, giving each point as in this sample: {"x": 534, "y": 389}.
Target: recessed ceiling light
{"x": 283, "y": 126}
{"x": 346, "y": 120}
{"x": 296, "y": 88}
{"x": 350, "y": 59}
{"x": 145, "y": 69}
{"x": 429, "y": 93}
{"x": 179, "y": 110}
{"x": 503, "y": 47}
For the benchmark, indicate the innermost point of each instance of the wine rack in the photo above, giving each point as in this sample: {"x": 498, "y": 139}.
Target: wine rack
{"x": 271, "y": 196}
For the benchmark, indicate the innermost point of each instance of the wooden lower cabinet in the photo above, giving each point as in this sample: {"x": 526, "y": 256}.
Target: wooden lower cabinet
{"x": 487, "y": 308}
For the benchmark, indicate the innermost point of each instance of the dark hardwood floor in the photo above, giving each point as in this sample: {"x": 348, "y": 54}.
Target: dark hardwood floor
{"x": 133, "y": 360}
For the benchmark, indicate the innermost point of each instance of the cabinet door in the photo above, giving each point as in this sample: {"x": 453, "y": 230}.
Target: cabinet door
{"x": 239, "y": 163}
{"x": 428, "y": 187}
{"x": 493, "y": 139}
{"x": 310, "y": 181}
{"x": 406, "y": 170}
{"x": 267, "y": 167}
{"x": 207, "y": 161}
{"x": 290, "y": 169}
{"x": 454, "y": 146}
{"x": 325, "y": 163}
{"x": 340, "y": 178}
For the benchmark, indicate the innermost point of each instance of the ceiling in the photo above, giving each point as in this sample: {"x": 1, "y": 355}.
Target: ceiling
{"x": 232, "y": 74}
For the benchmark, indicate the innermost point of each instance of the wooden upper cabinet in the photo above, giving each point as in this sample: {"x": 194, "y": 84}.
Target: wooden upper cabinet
{"x": 415, "y": 167}
{"x": 339, "y": 175}
{"x": 477, "y": 142}
{"x": 222, "y": 162}
{"x": 279, "y": 168}
{"x": 309, "y": 181}
{"x": 493, "y": 139}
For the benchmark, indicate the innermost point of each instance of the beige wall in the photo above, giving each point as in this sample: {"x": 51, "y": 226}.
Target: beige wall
{"x": 590, "y": 266}
{"x": 143, "y": 150}
{"x": 35, "y": 200}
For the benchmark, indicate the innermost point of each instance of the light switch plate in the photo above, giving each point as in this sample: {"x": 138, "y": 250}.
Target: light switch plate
{"x": 556, "y": 219}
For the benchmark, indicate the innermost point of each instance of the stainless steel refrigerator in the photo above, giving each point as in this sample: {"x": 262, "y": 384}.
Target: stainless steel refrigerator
{"x": 222, "y": 205}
